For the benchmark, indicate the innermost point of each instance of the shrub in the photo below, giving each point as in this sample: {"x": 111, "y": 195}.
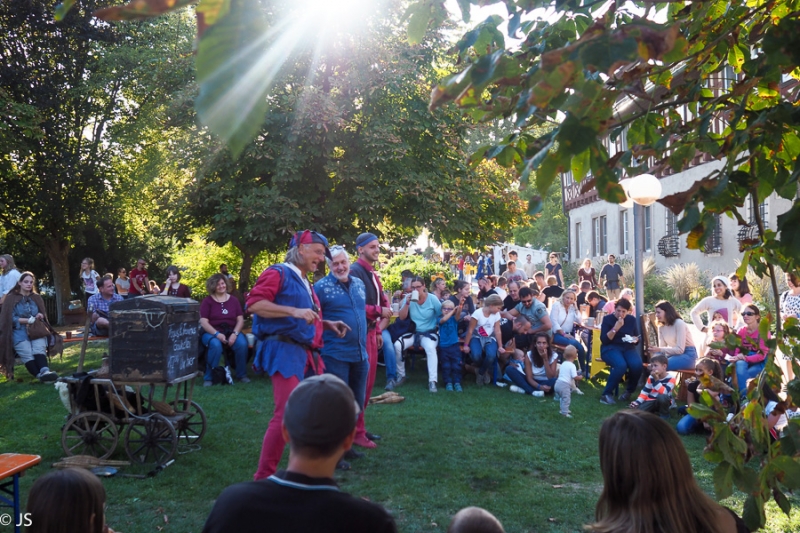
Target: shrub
{"x": 686, "y": 281}
{"x": 761, "y": 288}
{"x": 390, "y": 273}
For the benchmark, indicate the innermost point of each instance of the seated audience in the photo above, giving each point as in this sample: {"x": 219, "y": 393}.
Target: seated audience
{"x": 656, "y": 396}
{"x": 173, "y": 285}
{"x": 584, "y": 289}
{"x": 9, "y": 275}
{"x": 522, "y": 373}
{"x": 475, "y": 520}
{"x": 717, "y": 332}
{"x": 449, "y": 350}
{"x": 319, "y": 424}
{"x": 483, "y": 340}
{"x": 514, "y": 273}
{"x": 222, "y": 320}
{"x": 619, "y": 335}
{"x": 511, "y": 301}
{"x": 740, "y": 289}
{"x": 722, "y": 302}
{"x": 565, "y": 317}
{"x": 612, "y": 304}
{"x": 515, "y": 338}
{"x": 501, "y": 288}
{"x": 648, "y": 482}
{"x": 534, "y": 311}
{"x": 72, "y": 499}
{"x": 596, "y": 303}
{"x": 705, "y": 367}
{"x": 425, "y": 312}
{"x": 485, "y": 288}
{"x": 123, "y": 284}
{"x": 98, "y": 304}
{"x": 674, "y": 338}
{"x": 538, "y": 277}
{"x": 154, "y": 288}
{"x": 23, "y": 306}
{"x": 438, "y": 286}
{"x": 552, "y": 290}
{"x": 750, "y": 359}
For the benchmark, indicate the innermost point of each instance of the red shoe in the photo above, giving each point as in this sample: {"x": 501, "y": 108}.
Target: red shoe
{"x": 364, "y": 442}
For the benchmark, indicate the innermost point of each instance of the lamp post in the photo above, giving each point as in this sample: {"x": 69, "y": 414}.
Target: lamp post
{"x": 642, "y": 190}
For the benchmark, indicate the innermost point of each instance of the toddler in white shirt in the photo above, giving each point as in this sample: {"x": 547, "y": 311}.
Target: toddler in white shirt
{"x": 565, "y": 383}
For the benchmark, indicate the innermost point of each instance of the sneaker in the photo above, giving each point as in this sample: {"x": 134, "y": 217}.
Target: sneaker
{"x": 501, "y": 384}
{"x": 390, "y": 385}
{"x": 400, "y": 381}
{"x": 514, "y": 388}
{"x": 607, "y": 399}
{"x": 625, "y": 396}
{"x": 566, "y": 415}
{"x": 244, "y": 379}
{"x": 458, "y": 388}
{"x": 479, "y": 379}
{"x": 538, "y": 393}
{"x": 487, "y": 378}
{"x": 432, "y": 386}
{"x": 48, "y": 376}
{"x": 449, "y": 387}
{"x": 207, "y": 383}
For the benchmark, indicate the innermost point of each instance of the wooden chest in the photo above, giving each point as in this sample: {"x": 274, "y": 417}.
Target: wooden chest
{"x": 153, "y": 338}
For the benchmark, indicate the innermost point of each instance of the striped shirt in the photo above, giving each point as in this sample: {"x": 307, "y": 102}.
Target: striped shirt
{"x": 654, "y": 387}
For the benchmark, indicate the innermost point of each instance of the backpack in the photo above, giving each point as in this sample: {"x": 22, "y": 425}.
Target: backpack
{"x": 221, "y": 375}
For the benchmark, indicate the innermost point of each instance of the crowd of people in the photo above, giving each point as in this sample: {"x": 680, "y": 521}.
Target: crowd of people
{"x": 319, "y": 344}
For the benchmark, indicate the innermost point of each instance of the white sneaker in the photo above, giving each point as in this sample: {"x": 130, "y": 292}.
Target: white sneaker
{"x": 501, "y": 384}
{"x": 556, "y": 397}
{"x": 514, "y": 388}
{"x": 538, "y": 393}
{"x": 578, "y": 392}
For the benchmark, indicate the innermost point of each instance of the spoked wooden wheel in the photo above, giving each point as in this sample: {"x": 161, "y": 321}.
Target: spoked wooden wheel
{"x": 151, "y": 440}
{"x": 90, "y": 433}
{"x": 192, "y": 425}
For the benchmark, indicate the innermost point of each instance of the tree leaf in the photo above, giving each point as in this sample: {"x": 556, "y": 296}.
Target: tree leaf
{"x": 140, "y": 9}
{"x": 580, "y": 165}
{"x": 418, "y": 23}
{"x": 62, "y": 9}
{"x": 782, "y": 501}
{"x": 723, "y": 480}
{"x": 753, "y": 514}
{"x": 235, "y": 73}
{"x": 213, "y": 10}
{"x": 789, "y": 471}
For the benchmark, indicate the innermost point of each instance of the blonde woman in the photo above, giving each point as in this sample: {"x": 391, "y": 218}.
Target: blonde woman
{"x": 587, "y": 273}
{"x": 9, "y": 275}
{"x": 564, "y": 317}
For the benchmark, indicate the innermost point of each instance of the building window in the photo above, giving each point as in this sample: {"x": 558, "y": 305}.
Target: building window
{"x": 671, "y": 223}
{"x": 762, "y": 209}
{"x": 648, "y": 228}
{"x": 578, "y": 242}
{"x": 623, "y": 232}
{"x": 599, "y": 236}
{"x": 713, "y": 244}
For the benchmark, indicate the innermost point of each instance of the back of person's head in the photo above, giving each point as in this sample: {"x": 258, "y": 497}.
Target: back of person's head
{"x": 570, "y": 353}
{"x": 586, "y": 286}
{"x": 320, "y": 414}
{"x": 552, "y": 280}
{"x": 67, "y": 501}
{"x": 502, "y": 281}
{"x": 539, "y": 274}
{"x": 648, "y": 484}
{"x": 493, "y": 300}
{"x": 592, "y": 295}
{"x": 475, "y": 520}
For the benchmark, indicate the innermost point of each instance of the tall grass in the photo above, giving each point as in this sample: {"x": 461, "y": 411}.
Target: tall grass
{"x": 761, "y": 288}
{"x": 686, "y": 281}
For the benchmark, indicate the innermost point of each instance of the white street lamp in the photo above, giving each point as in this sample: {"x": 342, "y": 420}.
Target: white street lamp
{"x": 644, "y": 189}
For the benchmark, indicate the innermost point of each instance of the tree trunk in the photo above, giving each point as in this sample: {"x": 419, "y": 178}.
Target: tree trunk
{"x": 244, "y": 272}
{"x": 58, "y": 252}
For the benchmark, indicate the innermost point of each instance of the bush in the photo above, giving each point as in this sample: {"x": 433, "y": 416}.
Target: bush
{"x": 686, "y": 281}
{"x": 390, "y": 273}
{"x": 761, "y": 288}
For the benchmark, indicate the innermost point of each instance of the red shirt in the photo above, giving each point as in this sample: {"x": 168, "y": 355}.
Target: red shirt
{"x": 139, "y": 276}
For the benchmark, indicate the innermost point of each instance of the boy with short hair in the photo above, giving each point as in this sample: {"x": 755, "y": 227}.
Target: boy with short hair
{"x": 565, "y": 384}
{"x": 657, "y": 392}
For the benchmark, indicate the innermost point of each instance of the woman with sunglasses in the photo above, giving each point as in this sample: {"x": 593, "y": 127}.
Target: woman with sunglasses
{"x": 553, "y": 268}
{"x": 750, "y": 359}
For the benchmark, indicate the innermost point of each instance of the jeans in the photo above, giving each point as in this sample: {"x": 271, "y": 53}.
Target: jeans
{"x": 745, "y": 371}
{"x": 353, "y": 373}
{"x": 429, "y": 345}
{"x": 683, "y": 361}
{"x": 450, "y": 356}
{"x": 518, "y": 378}
{"x": 688, "y": 425}
{"x": 561, "y": 339}
{"x": 214, "y": 354}
{"x": 621, "y": 359}
{"x": 388, "y": 356}
{"x": 483, "y": 356}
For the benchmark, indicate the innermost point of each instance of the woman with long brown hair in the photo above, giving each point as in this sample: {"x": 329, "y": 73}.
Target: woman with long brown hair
{"x": 648, "y": 484}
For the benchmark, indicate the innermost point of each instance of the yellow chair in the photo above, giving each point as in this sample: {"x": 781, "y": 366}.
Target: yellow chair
{"x": 598, "y": 365}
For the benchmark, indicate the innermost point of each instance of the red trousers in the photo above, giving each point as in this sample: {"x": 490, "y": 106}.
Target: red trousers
{"x": 372, "y": 355}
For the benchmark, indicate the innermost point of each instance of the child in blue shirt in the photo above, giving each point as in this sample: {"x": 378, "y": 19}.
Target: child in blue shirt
{"x": 449, "y": 350}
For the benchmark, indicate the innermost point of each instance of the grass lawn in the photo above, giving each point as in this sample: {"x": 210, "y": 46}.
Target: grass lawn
{"x": 509, "y": 453}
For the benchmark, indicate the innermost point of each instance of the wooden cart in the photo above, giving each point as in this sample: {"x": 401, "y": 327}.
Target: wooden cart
{"x": 145, "y": 394}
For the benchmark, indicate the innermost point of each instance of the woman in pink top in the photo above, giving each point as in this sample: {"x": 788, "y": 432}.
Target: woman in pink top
{"x": 750, "y": 359}
{"x": 740, "y": 289}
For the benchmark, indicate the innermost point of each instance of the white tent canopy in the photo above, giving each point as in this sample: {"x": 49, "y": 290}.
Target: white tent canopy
{"x": 537, "y": 256}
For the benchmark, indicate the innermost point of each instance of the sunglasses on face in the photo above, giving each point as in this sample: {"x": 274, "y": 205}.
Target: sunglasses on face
{"x": 749, "y": 313}
{"x": 526, "y": 301}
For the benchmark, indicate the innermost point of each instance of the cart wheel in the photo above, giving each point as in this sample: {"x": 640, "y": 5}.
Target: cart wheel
{"x": 90, "y": 433}
{"x": 151, "y": 440}
{"x": 192, "y": 425}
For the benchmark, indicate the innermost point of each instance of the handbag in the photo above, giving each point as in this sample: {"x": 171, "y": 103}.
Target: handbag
{"x": 37, "y": 329}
